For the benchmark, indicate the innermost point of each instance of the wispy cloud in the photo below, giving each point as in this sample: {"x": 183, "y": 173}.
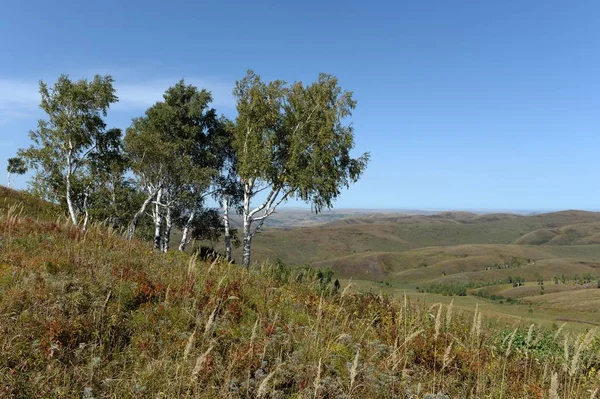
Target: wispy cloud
{"x": 145, "y": 93}
{"x": 19, "y": 99}
{"x": 6, "y": 143}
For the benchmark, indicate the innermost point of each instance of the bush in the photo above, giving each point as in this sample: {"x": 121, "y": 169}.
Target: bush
{"x": 447, "y": 289}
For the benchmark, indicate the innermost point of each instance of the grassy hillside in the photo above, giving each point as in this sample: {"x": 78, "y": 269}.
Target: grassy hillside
{"x": 425, "y": 264}
{"x": 92, "y": 315}
{"x": 575, "y": 234}
{"x": 457, "y": 252}
{"x": 19, "y": 202}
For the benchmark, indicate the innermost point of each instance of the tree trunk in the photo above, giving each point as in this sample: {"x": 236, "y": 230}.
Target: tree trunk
{"x": 138, "y": 215}
{"x": 85, "y": 209}
{"x": 247, "y": 225}
{"x": 114, "y": 218}
{"x": 8, "y": 179}
{"x": 68, "y": 191}
{"x": 167, "y": 233}
{"x": 157, "y": 221}
{"x": 186, "y": 232}
{"x": 246, "y": 254}
{"x": 226, "y": 227}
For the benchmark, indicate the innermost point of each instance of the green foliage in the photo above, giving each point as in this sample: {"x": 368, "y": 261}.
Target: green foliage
{"x": 320, "y": 278}
{"x": 293, "y": 141}
{"x": 494, "y": 297}
{"x": 207, "y": 225}
{"x": 540, "y": 279}
{"x": 541, "y": 343}
{"x": 518, "y": 281}
{"x": 279, "y": 271}
{"x": 16, "y": 166}
{"x": 447, "y": 289}
{"x": 293, "y": 137}
{"x": 170, "y": 143}
{"x": 72, "y": 135}
{"x": 176, "y": 151}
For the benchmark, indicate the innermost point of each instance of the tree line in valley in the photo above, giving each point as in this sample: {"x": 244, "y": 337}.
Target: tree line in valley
{"x": 287, "y": 141}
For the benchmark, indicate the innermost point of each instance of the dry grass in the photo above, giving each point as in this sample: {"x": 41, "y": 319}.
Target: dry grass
{"x": 92, "y": 315}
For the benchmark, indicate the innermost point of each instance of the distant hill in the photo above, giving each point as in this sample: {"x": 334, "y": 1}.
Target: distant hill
{"x": 303, "y": 217}
{"x": 452, "y": 217}
{"x": 574, "y": 234}
{"x": 387, "y": 233}
{"x": 443, "y": 248}
{"x": 463, "y": 263}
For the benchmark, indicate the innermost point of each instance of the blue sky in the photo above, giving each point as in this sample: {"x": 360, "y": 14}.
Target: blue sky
{"x": 463, "y": 104}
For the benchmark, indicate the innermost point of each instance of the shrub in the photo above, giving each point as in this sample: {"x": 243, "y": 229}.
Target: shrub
{"x": 447, "y": 289}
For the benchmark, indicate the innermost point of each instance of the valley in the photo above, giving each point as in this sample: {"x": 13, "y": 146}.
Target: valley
{"x": 482, "y": 256}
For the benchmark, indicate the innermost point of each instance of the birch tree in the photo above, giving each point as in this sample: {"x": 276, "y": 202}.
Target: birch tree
{"x": 207, "y": 225}
{"x": 229, "y": 194}
{"x": 111, "y": 197}
{"x": 169, "y": 151}
{"x": 210, "y": 156}
{"x": 63, "y": 143}
{"x": 16, "y": 166}
{"x": 147, "y": 163}
{"x": 149, "y": 152}
{"x": 292, "y": 141}
{"x": 226, "y": 188}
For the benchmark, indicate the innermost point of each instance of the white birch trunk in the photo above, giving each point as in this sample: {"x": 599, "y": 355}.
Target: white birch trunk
{"x": 267, "y": 208}
{"x": 186, "y": 232}
{"x": 138, "y": 215}
{"x": 8, "y": 179}
{"x": 72, "y": 212}
{"x": 167, "y": 233}
{"x": 226, "y": 227}
{"x": 85, "y": 209}
{"x": 247, "y": 244}
{"x": 114, "y": 220}
{"x": 247, "y": 219}
{"x": 157, "y": 216}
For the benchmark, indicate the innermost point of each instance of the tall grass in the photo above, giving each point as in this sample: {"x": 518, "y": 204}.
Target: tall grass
{"x": 93, "y": 315}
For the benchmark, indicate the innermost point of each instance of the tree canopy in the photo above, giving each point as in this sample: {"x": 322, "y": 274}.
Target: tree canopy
{"x": 172, "y": 151}
{"x": 292, "y": 141}
{"x": 73, "y": 132}
{"x": 15, "y": 166}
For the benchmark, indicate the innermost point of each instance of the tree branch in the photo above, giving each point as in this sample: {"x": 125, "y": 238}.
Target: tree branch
{"x": 261, "y": 189}
{"x": 268, "y": 212}
{"x": 209, "y": 193}
{"x": 268, "y": 201}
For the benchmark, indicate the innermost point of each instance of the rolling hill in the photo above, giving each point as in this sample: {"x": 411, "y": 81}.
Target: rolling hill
{"x": 399, "y": 253}
{"x": 385, "y": 233}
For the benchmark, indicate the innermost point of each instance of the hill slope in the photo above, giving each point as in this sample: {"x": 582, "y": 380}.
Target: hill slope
{"x": 19, "y": 202}
{"x": 92, "y": 315}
